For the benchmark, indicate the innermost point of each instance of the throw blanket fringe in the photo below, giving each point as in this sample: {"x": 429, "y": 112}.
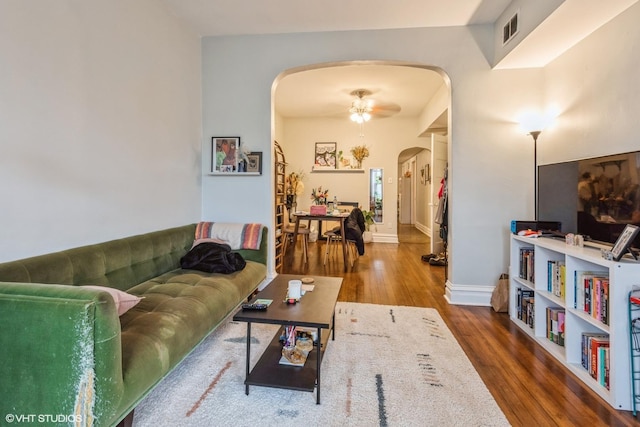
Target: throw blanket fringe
{"x": 238, "y": 236}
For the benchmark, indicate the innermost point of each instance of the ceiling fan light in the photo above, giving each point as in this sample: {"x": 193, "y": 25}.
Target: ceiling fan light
{"x": 366, "y": 117}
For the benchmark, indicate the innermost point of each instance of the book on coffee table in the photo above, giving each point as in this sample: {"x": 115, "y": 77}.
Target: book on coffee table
{"x": 300, "y": 357}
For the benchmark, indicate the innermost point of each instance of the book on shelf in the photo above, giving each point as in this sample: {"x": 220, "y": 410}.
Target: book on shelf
{"x": 555, "y": 325}
{"x": 591, "y": 294}
{"x": 556, "y": 275}
{"x": 525, "y": 305}
{"x": 527, "y": 264}
{"x": 561, "y": 316}
{"x": 595, "y": 356}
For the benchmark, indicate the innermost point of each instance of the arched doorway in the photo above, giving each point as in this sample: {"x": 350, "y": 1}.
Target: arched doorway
{"x": 311, "y": 104}
{"x": 420, "y": 172}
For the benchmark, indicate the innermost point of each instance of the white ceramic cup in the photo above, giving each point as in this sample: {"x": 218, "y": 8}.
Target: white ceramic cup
{"x": 295, "y": 288}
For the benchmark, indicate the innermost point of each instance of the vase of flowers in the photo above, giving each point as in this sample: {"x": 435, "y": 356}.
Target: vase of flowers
{"x": 319, "y": 196}
{"x": 360, "y": 152}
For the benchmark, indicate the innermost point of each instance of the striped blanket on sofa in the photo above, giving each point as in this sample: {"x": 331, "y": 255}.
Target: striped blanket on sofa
{"x": 236, "y": 235}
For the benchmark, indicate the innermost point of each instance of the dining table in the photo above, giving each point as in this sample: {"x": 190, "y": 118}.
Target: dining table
{"x": 341, "y": 217}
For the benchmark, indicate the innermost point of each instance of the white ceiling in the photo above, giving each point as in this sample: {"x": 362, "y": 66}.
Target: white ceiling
{"x": 325, "y": 92}
{"x": 227, "y": 17}
{"x": 397, "y": 91}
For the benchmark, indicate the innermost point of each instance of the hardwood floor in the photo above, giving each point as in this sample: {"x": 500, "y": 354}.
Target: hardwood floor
{"x": 528, "y": 384}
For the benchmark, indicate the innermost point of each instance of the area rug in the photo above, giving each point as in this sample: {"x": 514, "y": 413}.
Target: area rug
{"x": 388, "y": 366}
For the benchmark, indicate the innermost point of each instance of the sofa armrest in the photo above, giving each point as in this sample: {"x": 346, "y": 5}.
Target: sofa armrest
{"x": 60, "y": 353}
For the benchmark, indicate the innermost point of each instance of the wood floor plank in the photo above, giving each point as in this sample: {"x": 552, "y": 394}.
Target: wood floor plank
{"x": 529, "y": 385}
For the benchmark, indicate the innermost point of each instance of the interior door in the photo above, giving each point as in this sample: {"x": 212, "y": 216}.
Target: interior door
{"x": 405, "y": 200}
{"x": 439, "y": 161}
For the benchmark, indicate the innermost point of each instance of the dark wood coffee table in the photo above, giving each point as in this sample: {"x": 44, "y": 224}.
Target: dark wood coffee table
{"x": 315, "y": 309}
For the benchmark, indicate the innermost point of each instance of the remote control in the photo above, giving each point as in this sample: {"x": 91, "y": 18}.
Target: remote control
{"x": 254, "y": 306}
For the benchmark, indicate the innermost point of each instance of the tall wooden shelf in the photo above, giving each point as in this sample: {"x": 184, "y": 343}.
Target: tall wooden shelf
{"x": 280, "y": 167}
{"x": 536, "y": 255}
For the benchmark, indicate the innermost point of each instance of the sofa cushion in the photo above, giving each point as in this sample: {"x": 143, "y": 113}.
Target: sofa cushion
{"x": 124, "y": 301}
{"x": 179, "y": 309}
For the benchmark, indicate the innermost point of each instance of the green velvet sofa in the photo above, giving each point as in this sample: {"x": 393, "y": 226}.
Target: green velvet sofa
{"x": 68, "y": 358}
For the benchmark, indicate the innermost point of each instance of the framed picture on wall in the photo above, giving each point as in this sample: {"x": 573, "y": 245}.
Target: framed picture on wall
{"x": 325, "y": 155}
{"x": 254, "y": 162}
{"x": 224, "y": 154}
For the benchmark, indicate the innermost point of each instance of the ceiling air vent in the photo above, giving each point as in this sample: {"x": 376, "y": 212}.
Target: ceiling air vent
{"x": 510, "y": 29}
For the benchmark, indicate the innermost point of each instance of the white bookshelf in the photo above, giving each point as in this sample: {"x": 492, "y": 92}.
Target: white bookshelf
{"x": 623, "y": 275}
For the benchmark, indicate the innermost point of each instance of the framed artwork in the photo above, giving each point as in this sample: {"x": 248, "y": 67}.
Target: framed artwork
{"x": 425, "y": 174}
{"x": 624, "y": 241}
{"x": 224, "y": 154}
{"x": 325, "y": 155}
{"x": 254, "y": 162}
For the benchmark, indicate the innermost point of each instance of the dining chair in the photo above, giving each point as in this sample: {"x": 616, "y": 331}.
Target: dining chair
{"x": 289, "y": 231}
{"x": 334, "y": 240}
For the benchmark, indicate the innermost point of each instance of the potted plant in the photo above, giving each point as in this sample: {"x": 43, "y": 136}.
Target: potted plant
{"x": 367, "y": 236}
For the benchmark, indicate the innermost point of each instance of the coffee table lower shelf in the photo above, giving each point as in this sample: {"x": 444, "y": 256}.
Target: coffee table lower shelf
{"x": 268, "y": 372}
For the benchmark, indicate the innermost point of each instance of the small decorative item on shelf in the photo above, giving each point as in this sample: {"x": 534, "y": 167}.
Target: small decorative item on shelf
{"x": 294, "y": 188}
{"x": 291, "y": 354}
{"x": 294, "y": 183}
{"x": 360, "y": 153}
{"x": 319, "y": 196}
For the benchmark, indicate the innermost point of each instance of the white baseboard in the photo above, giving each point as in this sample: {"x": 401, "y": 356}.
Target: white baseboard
{"x": 423, "y": 228}
{"x": 385, "y": 238}
{"x": 468, "y": 295}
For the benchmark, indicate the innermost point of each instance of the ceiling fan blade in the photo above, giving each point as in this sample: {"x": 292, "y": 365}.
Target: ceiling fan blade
{"x": 385, "y": 109}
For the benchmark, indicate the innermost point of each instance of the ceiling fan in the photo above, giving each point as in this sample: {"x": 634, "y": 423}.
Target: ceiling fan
{"x": 363, "y": 106}
{"x": 362, "y": 109}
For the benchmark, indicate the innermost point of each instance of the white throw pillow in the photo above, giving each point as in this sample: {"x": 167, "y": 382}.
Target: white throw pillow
{"x": 124, "y": 301}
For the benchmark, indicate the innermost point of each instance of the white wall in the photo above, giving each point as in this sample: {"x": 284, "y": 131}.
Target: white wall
{"x": 595, "y": 86}
{"x": 385, "y": 138}
{"x": 100, "y": 123}
{"x": 488, "y": 184}
{"x": 423, "y": 192}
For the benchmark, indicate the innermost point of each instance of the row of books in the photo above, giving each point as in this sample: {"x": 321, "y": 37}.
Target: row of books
{"x": 556, "y": 278}
{"x": 595, "y": 356}
{"x": 555, "y": 325}
{"x": 525, "y": 304}
{"x": 592, "y": 294}
{"x": 527, "y": 272}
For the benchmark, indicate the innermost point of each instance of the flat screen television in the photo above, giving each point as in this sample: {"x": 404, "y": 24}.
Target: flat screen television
{"x": 595, "y": 197}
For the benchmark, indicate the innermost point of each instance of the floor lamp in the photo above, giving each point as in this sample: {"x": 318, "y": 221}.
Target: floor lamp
{"x": 535, "y": 134}
{"x": 533, "y": 124}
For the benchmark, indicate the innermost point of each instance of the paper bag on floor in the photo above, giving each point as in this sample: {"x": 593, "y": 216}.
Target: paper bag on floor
{"x": 500, "y": 295}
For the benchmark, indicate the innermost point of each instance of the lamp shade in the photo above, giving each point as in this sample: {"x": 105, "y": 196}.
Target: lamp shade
{"x": 532, "y": 121}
